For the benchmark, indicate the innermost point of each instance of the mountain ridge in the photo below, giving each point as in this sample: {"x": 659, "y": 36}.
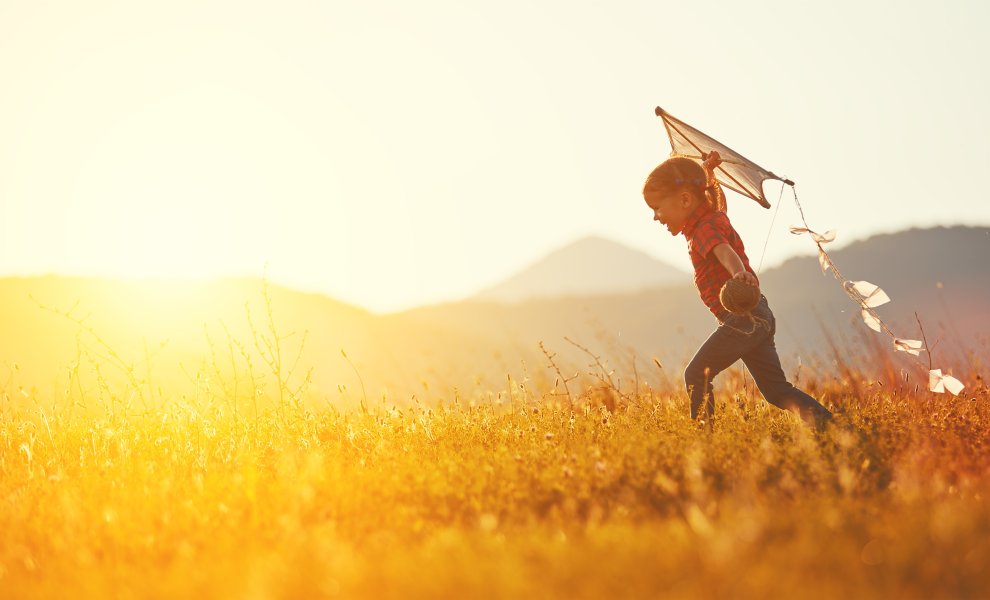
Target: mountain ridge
{"x": 939, "y": 273}
{"x": 585, "y": 266}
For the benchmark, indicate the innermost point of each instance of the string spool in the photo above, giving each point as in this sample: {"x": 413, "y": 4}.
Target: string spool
{"x": 739, "y": 297}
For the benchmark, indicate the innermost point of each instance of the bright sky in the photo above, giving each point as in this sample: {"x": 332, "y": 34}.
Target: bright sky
{"x": 396, "y": 153}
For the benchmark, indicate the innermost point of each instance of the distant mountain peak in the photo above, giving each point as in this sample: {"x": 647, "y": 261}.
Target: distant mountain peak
{"x": 588, "y": 266}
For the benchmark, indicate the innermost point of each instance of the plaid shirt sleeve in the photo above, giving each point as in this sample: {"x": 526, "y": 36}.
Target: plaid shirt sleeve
{"x": 708, "y": 234}
{"x": 711, "y": 230}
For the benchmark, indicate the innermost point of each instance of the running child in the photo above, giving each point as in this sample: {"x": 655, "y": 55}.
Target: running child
{"x": 686, "y": 199}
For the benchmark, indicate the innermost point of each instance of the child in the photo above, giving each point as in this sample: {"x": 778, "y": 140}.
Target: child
{"x": 686, "y": 198}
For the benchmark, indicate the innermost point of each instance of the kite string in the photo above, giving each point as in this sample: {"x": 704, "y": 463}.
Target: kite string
{"x": 770, "y": 232}
{"x": 841, "y": 278}
{"x": 800, "y": 210}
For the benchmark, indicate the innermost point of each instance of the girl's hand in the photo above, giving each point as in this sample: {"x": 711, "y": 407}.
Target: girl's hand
{"x": 711, "y": 161}
{"x": 747, "y": 277}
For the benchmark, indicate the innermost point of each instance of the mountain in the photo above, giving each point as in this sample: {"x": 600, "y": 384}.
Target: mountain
{"x": 942, "y": 274}
{"x": 186, "y": 339}
{"x": 592, "y": 265}
{"x": 182, "y": 339}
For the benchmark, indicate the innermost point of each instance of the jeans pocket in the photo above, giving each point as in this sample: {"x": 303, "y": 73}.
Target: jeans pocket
{"x": 764, "y": 316}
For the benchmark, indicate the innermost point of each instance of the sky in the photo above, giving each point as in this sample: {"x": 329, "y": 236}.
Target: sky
{"x": 391, "y": 154}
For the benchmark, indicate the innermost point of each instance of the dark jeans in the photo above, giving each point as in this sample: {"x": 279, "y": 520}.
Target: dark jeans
{"x": 749, "y": 338}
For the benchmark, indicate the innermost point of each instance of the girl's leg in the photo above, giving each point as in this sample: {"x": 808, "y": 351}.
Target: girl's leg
{"x": 764, "y": 364}
{"x": 725, "y": 346}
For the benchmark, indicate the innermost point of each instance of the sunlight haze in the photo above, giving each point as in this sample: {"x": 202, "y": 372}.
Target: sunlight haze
{"x": 393, "y": 154}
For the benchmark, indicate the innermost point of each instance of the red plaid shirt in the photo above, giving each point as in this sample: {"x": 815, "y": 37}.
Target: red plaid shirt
{"x": 705, "y": 229}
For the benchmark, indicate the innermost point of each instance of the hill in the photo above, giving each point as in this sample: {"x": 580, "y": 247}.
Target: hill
{"x": 189, "y": 334}
{"x": 940, "y": 273}
{"x": 57, "y": 329}
{"x": 592, "y": 265}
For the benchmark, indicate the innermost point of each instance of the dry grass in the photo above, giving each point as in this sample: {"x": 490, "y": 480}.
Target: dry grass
{"x": 251, "y": 486}
{"x": 509, "y": 496}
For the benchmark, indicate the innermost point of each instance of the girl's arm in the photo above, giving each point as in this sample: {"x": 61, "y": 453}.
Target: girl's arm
{"x": 716, "y": 196}
{"x": 733, "y": 264}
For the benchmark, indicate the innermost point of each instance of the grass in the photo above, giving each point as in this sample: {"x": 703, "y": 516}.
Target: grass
{"x": 484, "y": 499}
{"x": 253, "y": 486}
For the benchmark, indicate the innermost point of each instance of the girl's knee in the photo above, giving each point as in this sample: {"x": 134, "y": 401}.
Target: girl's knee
{"x": 695, "y": 374}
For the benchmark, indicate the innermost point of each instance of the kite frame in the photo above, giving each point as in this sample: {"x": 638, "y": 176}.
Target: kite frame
{"x": 668, "y": 121}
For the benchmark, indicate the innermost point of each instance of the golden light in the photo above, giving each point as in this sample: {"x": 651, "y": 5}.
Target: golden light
{"x": 186, "y": 187}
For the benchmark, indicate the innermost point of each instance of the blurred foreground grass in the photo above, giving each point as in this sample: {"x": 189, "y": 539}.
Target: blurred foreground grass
{"x": 500, "y": 499}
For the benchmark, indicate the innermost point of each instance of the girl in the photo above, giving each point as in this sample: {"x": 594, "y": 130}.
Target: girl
{"x": 686, "y": 199}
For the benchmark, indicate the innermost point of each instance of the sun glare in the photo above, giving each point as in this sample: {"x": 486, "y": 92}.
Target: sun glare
{"x": 183, "y": 188}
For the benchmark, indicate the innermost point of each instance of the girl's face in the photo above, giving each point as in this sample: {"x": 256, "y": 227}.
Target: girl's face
{"x": 671, "y": 209}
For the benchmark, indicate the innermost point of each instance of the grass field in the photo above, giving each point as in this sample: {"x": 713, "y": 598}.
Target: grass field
{"x": 505, "y": 495}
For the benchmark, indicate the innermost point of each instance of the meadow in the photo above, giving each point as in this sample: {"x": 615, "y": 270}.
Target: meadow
{"x": 252, "y": 485}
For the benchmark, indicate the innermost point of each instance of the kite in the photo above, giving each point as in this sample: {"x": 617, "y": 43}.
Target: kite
{"x": 745, "y": 177}
{"x": 736, "y": 172}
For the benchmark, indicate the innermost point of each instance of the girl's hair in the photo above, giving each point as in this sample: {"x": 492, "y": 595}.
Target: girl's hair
{"x": 682, "y": 173}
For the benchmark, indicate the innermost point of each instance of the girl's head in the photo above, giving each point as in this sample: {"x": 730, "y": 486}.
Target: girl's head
{"x": 676, "y": 174}
{"x": 674, "y": 190}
